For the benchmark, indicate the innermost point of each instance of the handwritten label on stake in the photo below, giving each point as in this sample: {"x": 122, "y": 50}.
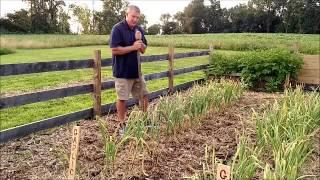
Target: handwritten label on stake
{"x": 74, "y": 152}
{"x": 223, "y": 172}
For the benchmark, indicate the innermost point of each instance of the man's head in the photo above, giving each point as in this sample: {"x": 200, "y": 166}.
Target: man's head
{"x": 132, "y": 15}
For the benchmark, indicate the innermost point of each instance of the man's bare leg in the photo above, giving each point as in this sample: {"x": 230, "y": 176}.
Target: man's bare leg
{"x": 121, "y": 110}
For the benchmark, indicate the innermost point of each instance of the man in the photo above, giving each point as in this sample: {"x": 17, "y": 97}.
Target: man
{"x": 126, "y": 41}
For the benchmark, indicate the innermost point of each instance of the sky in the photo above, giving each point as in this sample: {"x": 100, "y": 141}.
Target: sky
{"x": 151, "y": 8}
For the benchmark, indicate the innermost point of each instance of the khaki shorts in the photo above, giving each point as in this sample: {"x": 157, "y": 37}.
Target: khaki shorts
{"x": 135, "y": 86}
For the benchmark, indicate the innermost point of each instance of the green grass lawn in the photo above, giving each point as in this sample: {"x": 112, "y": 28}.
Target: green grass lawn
{"x": 309, "y": 44}
{"x": 21, "y": 115}
{"x": 73, "y": 53}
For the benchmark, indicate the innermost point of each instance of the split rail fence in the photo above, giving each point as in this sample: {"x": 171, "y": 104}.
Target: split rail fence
{"x": 95, "y": 88}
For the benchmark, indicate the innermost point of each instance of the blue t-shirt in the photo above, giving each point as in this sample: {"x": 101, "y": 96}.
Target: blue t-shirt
{"x": 125, "y": 66}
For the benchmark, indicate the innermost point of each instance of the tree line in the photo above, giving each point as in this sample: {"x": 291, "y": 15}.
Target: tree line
{"x": 260, "y": 16}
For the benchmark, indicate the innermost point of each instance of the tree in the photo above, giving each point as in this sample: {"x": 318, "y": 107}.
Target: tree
{"x": 171, "y": 28}
{"x": 154, "y": 29}
{"x": 63, "y": 24}
{"x": 165, "y": 18}
{"x": 18, "y": 22}
{"x": 99, "y": 26}
{"x": 83, "y": 15}
{"x": 215, "y": 19}
{"x": 54, "y": 6}
{"x": 143, "y": 22}
{"x": 113, "y": 12}
{"x": 183, "y": 21}
{"x": 245, "y": 19}
{"x": 311, "y": 17}
{"x": 268, "y": 9}
{"x": 195, "y": 14}
{"x": 302, "y": 16}
{"x": 44, "y": 15}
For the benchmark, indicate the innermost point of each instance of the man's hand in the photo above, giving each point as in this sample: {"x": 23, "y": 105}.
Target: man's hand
{"x": 138, "y": 45}
{"x": 143, "y": 48}
{"x": 138, "y": 35}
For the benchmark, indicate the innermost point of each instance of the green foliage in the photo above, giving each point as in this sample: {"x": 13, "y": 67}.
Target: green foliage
{"x": 179, "y": 109}
{"x": 299, "y": 16}
{"x": 268, "y": 67}
{"x": 245, "y": 162}
{"x": 83, "y": 15}
{"x": 137, "y": 128}
{"x": 110, "y": 145}
{"x": 154, "y": 29}
{"x": 4, "y": 51}
{"x": 286, "y": 128}
{"x": 171, "y": 28}
{"x": 285, "y": 131}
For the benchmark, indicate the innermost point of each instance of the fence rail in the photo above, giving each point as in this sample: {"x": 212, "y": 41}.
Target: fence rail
{"x": 29, "y": 68}
{"x": 35, "y": 97}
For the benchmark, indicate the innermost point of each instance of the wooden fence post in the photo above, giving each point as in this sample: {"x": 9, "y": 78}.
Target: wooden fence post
{"x": 97, "y": 83}
{"x": 170, "y": 69}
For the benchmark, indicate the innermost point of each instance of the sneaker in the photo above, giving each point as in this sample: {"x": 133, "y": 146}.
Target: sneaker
{"x": 122, "y": 129}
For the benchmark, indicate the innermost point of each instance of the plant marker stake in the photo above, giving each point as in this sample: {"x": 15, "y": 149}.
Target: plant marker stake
{"x": 74, "y": 152}
{"x": 223, "y": 172}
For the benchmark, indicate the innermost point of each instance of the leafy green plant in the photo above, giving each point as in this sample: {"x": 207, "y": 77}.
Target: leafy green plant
{"x": 171, "y": 111}
{"x": 266, "y": 68}
{"x": 140, "y": 127}
{"x": 110, "y": 146}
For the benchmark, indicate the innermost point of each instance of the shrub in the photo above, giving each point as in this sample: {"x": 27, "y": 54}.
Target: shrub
{"x": 4, "y": 51}
{"x": 267, "y": 68}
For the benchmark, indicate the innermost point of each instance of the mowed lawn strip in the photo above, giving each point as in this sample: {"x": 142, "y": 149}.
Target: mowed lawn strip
{"x": 74, "y": 53}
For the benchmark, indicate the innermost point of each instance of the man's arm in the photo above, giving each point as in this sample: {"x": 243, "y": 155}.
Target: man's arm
{"x": 122, "y": 50}
{"x": 125, "y": 50}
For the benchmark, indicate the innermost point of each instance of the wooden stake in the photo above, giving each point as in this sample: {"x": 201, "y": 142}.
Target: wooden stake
{"x": 74, "y": 152}
{"x": 141, "y": 101}
{"x": 170, "y": 69}
{"x": 211, "y": 48}
{"x": 97, "y": 83}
